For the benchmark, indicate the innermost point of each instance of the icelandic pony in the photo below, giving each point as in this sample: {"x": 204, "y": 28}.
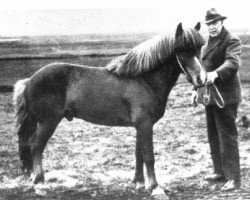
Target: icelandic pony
{"x": 131, "y": 90}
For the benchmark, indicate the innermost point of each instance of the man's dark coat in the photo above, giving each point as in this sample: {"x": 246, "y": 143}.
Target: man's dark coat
{"x": 223, "y": 54}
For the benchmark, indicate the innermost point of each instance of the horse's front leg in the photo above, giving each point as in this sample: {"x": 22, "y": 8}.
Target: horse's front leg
{"x": 139, "y": 175}
{"x": 145, "y": 145}
{"x": 145, "y": 152}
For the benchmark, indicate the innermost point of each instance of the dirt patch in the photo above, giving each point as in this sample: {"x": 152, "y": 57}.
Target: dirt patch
{"x": 86, "y": 161}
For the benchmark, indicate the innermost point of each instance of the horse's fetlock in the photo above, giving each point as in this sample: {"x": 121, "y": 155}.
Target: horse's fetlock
{"x": 38, "y": 178}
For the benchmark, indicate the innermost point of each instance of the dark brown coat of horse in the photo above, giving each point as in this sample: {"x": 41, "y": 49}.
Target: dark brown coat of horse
{"x": 131, "y": 91}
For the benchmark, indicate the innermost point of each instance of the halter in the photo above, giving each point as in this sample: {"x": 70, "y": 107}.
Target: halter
{"x": 187, "y": 75}
{"x": 182, "y": 68}
{"x": 180, "y": 65}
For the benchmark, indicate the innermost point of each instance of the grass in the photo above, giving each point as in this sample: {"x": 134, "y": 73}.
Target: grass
{"x": 21, "y": 59}
{"x": 87, "y": 161}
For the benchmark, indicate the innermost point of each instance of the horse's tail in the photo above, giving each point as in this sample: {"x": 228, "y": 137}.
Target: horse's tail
{"x": 26, "y": 124}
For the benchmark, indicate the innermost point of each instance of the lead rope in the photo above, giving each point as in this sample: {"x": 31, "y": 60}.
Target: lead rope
{"x": 188, "y": 77}
{"x": 212, "y": 91}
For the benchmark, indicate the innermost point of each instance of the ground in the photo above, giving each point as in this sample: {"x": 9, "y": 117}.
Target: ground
{"x": 90, "y": 162}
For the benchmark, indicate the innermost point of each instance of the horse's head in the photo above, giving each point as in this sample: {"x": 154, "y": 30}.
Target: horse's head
{"x": 188, "y": 45}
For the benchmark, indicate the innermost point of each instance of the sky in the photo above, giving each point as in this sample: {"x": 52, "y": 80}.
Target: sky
{"x": 53, "y": 17}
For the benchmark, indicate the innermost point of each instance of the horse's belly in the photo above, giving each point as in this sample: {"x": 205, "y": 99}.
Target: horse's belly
{"x": 105, "y": 119}
{"x": 110, "y": 113}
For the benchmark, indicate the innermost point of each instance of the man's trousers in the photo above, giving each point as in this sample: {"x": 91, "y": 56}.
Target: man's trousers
{"x": 222, "y": 138}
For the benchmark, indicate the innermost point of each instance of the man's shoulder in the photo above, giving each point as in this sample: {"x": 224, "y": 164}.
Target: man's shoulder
{"x": 235, "y": 37}
{"x": 232, "y": 36}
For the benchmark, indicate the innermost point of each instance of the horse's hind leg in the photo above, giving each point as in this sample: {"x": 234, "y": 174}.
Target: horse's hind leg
{"x": 27, "y": 128}
{"x": 38, "y": 142}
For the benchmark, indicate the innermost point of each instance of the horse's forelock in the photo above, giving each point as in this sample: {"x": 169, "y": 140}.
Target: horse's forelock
{"x": 190, "y": 39}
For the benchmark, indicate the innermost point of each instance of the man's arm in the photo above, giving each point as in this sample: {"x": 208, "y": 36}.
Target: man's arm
{"x": 232, "y": 59}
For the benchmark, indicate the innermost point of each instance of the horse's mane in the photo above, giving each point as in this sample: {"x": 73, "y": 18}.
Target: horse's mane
{"x": 154, "y": 53}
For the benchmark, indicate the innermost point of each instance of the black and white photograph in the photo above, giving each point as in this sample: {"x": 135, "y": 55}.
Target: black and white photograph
{"x": 124, "y": 100}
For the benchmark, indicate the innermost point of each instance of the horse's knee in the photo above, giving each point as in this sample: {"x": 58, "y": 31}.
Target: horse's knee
{"x": 34, "y": 143}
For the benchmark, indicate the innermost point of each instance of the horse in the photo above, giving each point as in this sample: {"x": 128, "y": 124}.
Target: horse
{"x": 131, "y": 91}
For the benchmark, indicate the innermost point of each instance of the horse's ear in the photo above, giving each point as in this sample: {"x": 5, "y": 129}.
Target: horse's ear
{"x": 197, "y": 26}
{"x": 179, "y": 30}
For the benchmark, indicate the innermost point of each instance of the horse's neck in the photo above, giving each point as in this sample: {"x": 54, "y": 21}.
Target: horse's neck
{"x": 170, "y": 76}
{"x": 163, "y": 80}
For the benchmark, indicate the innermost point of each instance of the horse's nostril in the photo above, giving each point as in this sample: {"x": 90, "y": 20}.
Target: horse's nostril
{"x": 199, "y": 81}
{"x": 189, "y": 79}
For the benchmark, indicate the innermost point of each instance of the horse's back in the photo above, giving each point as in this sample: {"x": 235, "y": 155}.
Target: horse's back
{"x": 53, "y": 78}
{"x": 90, "y": 93}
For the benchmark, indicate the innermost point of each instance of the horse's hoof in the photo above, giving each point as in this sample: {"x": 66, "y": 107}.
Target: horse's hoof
{"x": 40, "y": 192}
{"x": 29, "y": 187}
{"x": 40, "y": 189}
{"x": 140, "y": 186}
{"x": 158, "y": 194}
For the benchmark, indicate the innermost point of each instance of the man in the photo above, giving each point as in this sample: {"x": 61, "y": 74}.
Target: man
{"x": 221, "y": 57}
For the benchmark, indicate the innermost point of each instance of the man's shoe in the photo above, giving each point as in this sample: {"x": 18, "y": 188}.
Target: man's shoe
{"x": 230, "y": 185}
{"x": 215, "y": 178}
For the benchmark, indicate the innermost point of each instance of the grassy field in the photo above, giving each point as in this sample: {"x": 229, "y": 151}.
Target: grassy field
{"x": 90, "y": 162}
{"x": 21, "y": 58}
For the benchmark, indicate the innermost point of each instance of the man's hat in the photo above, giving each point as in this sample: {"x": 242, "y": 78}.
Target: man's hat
{"x": 212, "y": 16}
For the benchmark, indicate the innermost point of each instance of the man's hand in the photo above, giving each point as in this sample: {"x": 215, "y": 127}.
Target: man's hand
{"x": 211, "y": 76}
{"x": 194, "y": 98}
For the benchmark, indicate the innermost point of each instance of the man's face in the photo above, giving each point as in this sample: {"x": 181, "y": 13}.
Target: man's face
{"x": 214, "y": 28}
